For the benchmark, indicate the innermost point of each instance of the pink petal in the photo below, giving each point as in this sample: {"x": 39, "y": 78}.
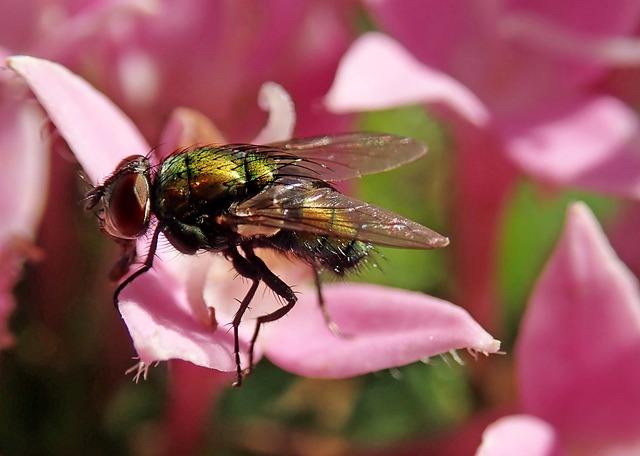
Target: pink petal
{"x": 274, "y": 99}
{"x": 184, "y": 307}
{"x": 185, "y": 128}
{"x": 466, "y": 40}
{"x": 560, "y": 41}
{"x": 383, "y": 328}
{"x": 163, "y": 326}
{"x": 98, "y": 132}
{"x": 378, "y": 73}
{"x": 578, "y": 42}
{"x": 579, "y": 347}
{"x": 17, "y": 28}
{"x": 23, "y": 152}
{"x": 434, "y": 31}
{"x": 522, "y": 435}
{"x": 24, "y": 155}
{"x": 515, "y": 52}
{"x": 296, "y": 44}
{"x": 72, "y": 32}
{"x": 613, "y": 18}
{"x": 591, "y": 143}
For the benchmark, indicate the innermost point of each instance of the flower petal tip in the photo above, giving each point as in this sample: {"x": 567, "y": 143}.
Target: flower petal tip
{"x": 379, "y": 73}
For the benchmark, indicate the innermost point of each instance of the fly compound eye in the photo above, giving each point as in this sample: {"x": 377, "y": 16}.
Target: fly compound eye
{"x": 126, "y": 206}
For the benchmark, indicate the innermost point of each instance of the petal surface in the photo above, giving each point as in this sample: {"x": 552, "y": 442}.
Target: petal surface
{"x": 578, "y": 354}
{"x": 591, "y": 143}
{"x": 522, "y": 435}
{"x": 378, "y": 73}
{"x": 382, "y": 327}
{"x": 163, "y": 326}
{"x": 97, "y": 131}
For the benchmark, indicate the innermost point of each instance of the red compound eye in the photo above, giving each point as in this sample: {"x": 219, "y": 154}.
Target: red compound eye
{"x": 127, "y": 206}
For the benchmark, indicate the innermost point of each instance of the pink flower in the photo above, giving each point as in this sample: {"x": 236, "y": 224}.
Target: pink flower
{"x": 533, "y": 98}
{"x": 578, "y": 353}
{"x": 165, "y": 309}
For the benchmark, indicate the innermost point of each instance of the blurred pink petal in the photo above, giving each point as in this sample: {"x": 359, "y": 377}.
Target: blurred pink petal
{"x": 517, "y": 51}
{"x": 67, "y": 28}
{"x": 432, "y": 30}
{"x": 590, "y": 143}
{"x": 521, "y": 435}
{"x": 558, "y": 38}
{"x": 579, "y": 348}
{"x": 23, "y": 187}
{"x": 232, "y": 48}
{"x": 383, "y": 328}
{"x": 274, "y": 99}
{"x": 616, "y": 17}
{"x": 185, "y": 128}
{"x": 25, "y": 170}
{"x": 378, "y": 73}
{"x": 97, "y": 131}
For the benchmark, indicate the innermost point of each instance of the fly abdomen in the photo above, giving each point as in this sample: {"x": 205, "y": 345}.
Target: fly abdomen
{"x": 339, "y": 255}
{"x": 322, "y": 252}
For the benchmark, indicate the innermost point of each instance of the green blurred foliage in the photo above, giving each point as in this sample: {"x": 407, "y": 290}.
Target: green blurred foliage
{"x": 533, "y": 222}
{"x": 416, "y": 191}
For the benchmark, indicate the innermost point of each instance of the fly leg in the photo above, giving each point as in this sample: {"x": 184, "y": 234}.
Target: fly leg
{"x": 278, "y": 287}
{"x": 247, "y": 270}
{"x": 148, "y": 263}
{"x": 332, "y": 325}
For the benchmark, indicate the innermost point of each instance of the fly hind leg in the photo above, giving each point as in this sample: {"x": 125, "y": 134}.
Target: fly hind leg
{"x": 245, "y": 269}
{"x": 332, "y": 325}
{"x": 253, "y": 268}
{"x": 278, "y": 287}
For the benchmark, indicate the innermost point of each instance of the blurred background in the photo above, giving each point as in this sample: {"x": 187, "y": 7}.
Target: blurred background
{"x": 63, "y": 388}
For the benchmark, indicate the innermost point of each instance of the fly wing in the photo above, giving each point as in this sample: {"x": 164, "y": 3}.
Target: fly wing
{"x": 346, "y": 156}
{"x": 311, "y": 207}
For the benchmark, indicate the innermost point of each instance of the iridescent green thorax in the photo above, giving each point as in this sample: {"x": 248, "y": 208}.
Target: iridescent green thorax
{"x": 208, "y": 180}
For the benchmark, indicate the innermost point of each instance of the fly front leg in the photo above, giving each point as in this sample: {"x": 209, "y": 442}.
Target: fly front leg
{"x": 146, "y": 266}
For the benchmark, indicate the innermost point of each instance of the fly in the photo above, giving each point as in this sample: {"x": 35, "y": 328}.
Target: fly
{"x": 234, "y": 198}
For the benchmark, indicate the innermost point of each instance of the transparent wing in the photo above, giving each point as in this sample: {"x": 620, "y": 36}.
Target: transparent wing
{"x": 311, "y": 207}
{"x": 346, "y": 156}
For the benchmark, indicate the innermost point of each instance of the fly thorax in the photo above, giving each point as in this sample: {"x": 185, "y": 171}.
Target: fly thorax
{"x": 260, "y": 171}
{"x": 198, "y": 182}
